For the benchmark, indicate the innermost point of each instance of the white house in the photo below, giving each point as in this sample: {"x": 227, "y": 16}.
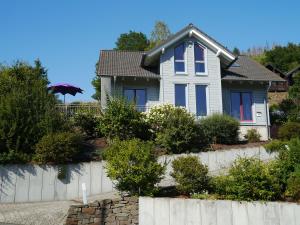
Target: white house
{"x": 192, "y": 70}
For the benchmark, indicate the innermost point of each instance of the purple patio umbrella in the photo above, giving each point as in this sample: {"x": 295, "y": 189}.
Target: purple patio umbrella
{"x": 64, "y": 88}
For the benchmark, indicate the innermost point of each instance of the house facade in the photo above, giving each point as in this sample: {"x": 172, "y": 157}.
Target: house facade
{"x": 191, "y": 70}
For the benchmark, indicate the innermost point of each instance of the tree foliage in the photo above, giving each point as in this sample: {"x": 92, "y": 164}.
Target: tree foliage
{"x": 134, "y": 41}
{"x": 236, "y": 51}
{"x": 96, "y": 82}
{"x": 27, "y": 110}
{"x": 160, "y": 33}
{"x": 285, "y": 58}
{"x": 294, "y": 94}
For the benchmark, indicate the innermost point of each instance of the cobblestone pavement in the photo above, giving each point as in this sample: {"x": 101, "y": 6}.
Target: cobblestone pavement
{"x": 41, "y": 213}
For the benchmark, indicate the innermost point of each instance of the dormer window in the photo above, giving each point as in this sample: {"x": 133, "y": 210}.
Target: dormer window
{"x": 179, "y": 62}
{"x": 199, "y": 54}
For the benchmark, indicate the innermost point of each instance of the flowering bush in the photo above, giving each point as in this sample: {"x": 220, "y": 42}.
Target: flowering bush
{"x": 175, "y": 129}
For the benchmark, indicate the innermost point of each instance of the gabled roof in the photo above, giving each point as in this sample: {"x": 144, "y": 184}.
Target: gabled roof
{"x": 245, "y": 68}
{"x": 123, "y": 63}
{"x": 226, "y": 55}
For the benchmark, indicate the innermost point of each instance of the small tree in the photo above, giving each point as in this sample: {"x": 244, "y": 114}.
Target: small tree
{"x": 133, "y": 166}
{"x": 190, "y": 175}
{"x": 134, "y": 41}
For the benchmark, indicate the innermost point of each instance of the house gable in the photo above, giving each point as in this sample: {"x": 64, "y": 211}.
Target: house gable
{"x": 226, "y": 56}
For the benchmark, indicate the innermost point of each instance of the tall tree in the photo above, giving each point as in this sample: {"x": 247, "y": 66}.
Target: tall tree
{"x": 160, "y": 33}
{"x": 96, "y": 82}
{"x": 136, "y": 41}
{"x": 27, "y": 110}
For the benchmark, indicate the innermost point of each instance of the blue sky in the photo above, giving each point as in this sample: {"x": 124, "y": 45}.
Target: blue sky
{"x": 66, "y": 35}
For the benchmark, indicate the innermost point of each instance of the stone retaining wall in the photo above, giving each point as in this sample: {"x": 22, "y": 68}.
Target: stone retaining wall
{"x": 107, "y": 212}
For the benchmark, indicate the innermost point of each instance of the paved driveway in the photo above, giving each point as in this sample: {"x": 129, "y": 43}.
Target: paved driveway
{"x": 41, "y": 213}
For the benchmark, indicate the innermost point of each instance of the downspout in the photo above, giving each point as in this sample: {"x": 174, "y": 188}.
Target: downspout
{"x": 115, "y": 79}
{"x": 267, "y": 111}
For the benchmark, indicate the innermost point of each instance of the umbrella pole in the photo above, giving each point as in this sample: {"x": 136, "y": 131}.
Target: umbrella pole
{"x": 66, "y": 109}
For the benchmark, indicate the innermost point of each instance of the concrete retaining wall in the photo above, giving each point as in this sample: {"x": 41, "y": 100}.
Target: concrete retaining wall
{"x": 217, "y": 161}
{"x": 29, "y": 183}
{"x": 166, "y": 211}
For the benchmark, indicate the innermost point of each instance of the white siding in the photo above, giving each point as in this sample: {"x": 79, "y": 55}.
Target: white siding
{"x": 150, "y": 85}
{"x": 105, "y": 89}
{"x": 212, "y": 79}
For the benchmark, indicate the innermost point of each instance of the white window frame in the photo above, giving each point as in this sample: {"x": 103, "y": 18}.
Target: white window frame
{"x": 201, "y": 61}
{"x": 180, "y": 60}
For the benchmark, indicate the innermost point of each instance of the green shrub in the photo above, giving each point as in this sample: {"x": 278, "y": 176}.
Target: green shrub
{"x": 286, "y": 163}
{"x": 221, "y": 129}
{"x": 289, "y": 130}
{"x": 190, "y": 175}
{"x": 88, "y": 123}
{"x": 176, "y": 129}
{"x": 248, "y": 179}
{"x": 121, "y": 120}
{"x": 27, "y": 110}
{"x": 252, "y": 136}
{"x": 58, "y": 148}
{"x": 133, "y": 166}
{"x": 275, "y": 146}
{"x": 293, "y": 185}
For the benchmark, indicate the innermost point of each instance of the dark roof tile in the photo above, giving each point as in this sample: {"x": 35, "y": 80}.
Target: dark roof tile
{"x": 245, "y": 68}
{"x": 123, "y": 63}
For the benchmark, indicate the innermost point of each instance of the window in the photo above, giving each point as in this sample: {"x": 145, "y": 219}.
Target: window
{"x": 201, "y": 104}
{"x": 137, "y": 96}
{"x": 241, "y": 106}
{"x": 199, "y": 58}
{"x": 180, "y": 95}
{"x": 179, "y": 62}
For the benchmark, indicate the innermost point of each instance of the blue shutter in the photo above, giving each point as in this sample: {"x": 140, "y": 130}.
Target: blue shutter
{"x": 180, "y": 99}
{"x": 129, "y": 95}
{"x": 247, "y": 106}
{"x": 201, "y": 104}
{"x": 235, "y": 105}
